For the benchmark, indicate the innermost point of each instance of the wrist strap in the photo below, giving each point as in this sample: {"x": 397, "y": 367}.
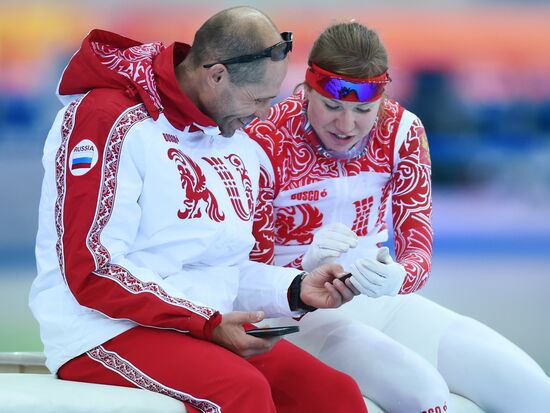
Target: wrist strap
{"x": 295, "y": 289}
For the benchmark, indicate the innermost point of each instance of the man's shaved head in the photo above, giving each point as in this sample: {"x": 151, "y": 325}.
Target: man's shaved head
{"x": 235, "y": 32}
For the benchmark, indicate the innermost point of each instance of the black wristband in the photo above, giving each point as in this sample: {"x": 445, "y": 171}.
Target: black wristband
{"x": 295, "y": 289}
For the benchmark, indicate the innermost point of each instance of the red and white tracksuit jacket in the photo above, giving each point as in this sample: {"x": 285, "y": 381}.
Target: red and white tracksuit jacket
{"x": 146, "y": 210}
{"x": 304, "y": 190}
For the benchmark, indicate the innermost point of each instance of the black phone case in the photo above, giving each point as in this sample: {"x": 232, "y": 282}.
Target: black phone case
{"x": 345, "y": 276}
{"x": 273, "y": 331}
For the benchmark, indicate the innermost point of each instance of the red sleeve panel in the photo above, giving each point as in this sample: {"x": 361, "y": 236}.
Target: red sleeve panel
{"x": 412, "y": 209}
{"x": 87, "y": 162}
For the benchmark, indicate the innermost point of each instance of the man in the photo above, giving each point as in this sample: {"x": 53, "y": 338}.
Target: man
{"x": 145, "y": 227}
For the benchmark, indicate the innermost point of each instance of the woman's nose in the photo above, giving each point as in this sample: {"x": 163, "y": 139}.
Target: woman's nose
{"x": 345, "y": 122}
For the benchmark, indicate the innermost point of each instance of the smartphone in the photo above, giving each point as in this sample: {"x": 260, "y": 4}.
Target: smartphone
{"x": 344, "y": 277}
{"x": 272, "y": 331}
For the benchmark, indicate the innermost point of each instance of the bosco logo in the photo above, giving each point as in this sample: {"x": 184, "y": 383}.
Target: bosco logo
{"x": 83, "y": 157}
{"x": 313, "y": 195}
{"x": 168, "y": 137}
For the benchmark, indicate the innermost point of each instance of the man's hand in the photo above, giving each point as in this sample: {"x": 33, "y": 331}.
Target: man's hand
{"x": 379, "y": 277}
{"x": 230, "y": 334}
{"x": 321, "y": 288}
{"x": 328, "y": 243}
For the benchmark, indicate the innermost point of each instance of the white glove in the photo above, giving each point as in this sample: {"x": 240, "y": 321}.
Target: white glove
{"x": 327, "y": 245}
{"x": 378, "y": 277}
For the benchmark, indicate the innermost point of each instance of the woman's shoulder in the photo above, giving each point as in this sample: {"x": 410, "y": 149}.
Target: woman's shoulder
{"x": 283, "y": 113}
{"x": 394, "y": 120}
{"x": 395, "y": 112}
{"x": 284, "y": 122}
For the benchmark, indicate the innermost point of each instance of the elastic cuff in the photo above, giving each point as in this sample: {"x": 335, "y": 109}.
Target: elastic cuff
{"x": 204, "y": 332}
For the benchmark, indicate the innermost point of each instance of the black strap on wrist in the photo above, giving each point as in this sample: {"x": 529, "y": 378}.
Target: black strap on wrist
{"x": 295, "y": 289}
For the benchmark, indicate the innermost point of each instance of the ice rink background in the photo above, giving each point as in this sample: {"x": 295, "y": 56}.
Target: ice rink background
{"x": 477, "y": 73}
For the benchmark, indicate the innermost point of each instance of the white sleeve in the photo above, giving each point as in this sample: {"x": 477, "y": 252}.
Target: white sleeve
{"x": 97, "y": 216}
{"x": 265, "y": 287}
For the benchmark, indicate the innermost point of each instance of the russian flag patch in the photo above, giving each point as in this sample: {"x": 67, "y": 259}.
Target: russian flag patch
{"x": 83, "y": 157}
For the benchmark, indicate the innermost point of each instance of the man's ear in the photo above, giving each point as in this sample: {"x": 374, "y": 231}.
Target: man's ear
{"x": 217, "y": 74}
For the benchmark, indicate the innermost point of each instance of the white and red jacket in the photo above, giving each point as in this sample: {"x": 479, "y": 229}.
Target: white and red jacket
{"x": 146, "y": 210}
{"x": 304, "y": 190}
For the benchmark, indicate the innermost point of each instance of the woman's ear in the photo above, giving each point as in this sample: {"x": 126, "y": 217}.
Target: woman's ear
{"x": 307, "y": 90}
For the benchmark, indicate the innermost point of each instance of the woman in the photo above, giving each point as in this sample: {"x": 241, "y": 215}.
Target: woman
{"x": 337, "y": 149}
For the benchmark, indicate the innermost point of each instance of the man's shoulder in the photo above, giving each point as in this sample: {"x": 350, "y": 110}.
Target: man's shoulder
{"x": 108, "y": 102}
{"x": 101, "y": 113}
{"x": 243, "y": 141}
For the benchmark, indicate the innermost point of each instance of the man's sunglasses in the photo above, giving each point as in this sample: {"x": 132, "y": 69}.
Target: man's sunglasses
{"x": 276, "y": 52}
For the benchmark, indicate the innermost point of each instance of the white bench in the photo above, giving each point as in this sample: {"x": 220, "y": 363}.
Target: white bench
{"x": 27, "y": 386}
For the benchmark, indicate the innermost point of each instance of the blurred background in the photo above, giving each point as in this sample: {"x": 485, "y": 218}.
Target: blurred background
{"x": 476, "y": 72}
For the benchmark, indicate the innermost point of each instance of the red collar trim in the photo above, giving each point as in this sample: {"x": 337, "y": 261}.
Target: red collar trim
{"x": 178, "y": 108}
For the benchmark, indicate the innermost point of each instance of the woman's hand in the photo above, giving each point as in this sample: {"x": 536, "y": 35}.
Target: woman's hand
{"x": 379, "y": 277}
{"x": 328, "y": 243}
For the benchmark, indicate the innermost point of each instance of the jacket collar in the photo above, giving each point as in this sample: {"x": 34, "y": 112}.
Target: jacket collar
{"x": 178, "y": 108}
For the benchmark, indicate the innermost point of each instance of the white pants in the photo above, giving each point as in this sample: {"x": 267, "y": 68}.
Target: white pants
{"x": 407, "y": 352}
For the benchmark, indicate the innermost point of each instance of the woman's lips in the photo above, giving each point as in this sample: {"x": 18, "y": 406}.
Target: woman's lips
{"x": 341, "y": 137}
